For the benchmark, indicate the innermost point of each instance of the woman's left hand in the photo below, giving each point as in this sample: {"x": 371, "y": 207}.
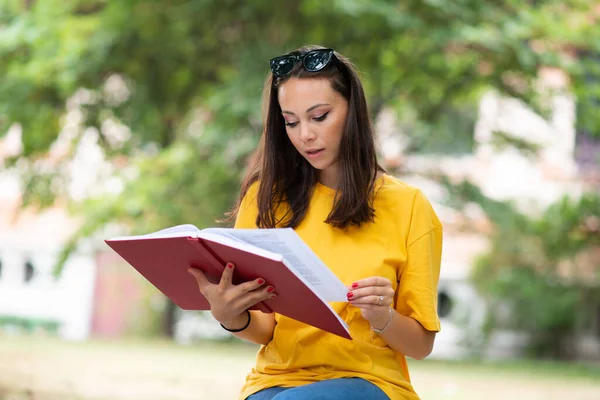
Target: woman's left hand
{"x": 374, "y": 296}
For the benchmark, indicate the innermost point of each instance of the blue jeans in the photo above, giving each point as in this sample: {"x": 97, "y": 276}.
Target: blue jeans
{"x": 331, "y": 389}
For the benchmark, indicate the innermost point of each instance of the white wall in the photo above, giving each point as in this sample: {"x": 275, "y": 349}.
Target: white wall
{"x": 462, "y": 335}
{"x": 68, "y": 300}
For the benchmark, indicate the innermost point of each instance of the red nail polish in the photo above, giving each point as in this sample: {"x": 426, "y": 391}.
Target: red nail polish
{"x": 355, "y": 285}
{"x": 261, "y": 281}
{"x": 350, "y": 295}
{"x": 270, "y": 289}
{"x": 229, "y": 265}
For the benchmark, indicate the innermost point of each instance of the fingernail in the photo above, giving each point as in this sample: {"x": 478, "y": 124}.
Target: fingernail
{"x": 355, "y": 285}
{"x": 229, "y": 265}
{"x": 270, "y": 289}
{"x": 272, "y": 296}
{"x": 261, "y": 281}
{"x": 350, "y": 295}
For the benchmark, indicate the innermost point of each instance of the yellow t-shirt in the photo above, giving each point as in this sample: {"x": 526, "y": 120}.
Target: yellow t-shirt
{"x": 403, "y": 244}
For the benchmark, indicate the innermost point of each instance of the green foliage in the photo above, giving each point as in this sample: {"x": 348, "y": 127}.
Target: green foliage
{"x": 539, "y": 276}
{"x": 29, "y": 325}
{"x": 176, "y": 55}
{"x": 175, "y": 187}
{"x": 503, "y": 140}
{"x": 178, "y": 59}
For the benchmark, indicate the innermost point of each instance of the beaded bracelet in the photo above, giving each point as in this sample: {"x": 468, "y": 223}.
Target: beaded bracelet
{"x": 241, "y": 329}
{"x": 380, "y": 331}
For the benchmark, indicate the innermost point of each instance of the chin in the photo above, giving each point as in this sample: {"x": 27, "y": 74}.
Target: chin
{"x": 319, "y": 166}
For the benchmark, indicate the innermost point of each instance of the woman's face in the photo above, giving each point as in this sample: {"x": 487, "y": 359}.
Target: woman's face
{"x": 315, "y": 116}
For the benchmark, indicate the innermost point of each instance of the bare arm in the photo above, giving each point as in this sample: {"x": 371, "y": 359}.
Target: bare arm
{"x": 260, "y": 330}
{"x": 404, "y": 334}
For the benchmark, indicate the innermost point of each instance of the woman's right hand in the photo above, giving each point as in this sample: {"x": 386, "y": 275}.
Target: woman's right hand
{"x": 228, "y": 302}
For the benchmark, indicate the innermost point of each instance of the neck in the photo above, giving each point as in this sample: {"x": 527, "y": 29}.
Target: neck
{"x": 329, "y": 177}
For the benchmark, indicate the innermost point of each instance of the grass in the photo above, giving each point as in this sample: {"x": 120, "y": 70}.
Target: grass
{"x": 534, "y": 368}
{"x": 48, "y": 369}
{"x": 506, "y": 380}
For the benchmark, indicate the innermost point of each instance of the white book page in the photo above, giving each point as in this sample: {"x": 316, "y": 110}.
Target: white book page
{"x": 186, "y": 230}
{"x": 318, "y": 294}
{"x": 298, "y": 256}
{"x": 209, "y": 234}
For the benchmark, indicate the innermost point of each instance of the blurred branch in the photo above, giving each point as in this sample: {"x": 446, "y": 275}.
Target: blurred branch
{"x": 88, "y": 7}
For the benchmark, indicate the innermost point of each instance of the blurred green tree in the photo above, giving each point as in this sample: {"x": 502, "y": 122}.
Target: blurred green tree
{"x": 184, "y": 78}
{"x": 542, "y": 273}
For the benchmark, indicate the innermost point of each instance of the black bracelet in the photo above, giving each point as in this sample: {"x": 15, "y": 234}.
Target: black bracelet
{"x": 241, "y": 329}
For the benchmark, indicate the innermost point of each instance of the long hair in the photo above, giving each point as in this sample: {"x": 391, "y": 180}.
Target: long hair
{"x": 285, "y": 176}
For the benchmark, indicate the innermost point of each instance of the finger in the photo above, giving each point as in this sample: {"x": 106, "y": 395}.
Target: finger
{"x": 370, "y": 291}
{"x": 370, "y": 281}
{"x": 359, "y": 293}
{"x": 251, "y": 285}
{"x": 227, "y": 276}
{"x": 377, "y": 301}
{"x": 200, "y": 278}
{"x": 257, "y": 296}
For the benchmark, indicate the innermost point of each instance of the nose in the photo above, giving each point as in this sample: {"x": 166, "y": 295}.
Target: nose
{"x": 306, "y": 133}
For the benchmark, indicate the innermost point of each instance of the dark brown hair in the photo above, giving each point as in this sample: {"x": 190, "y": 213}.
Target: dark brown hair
{"x": 285, "y": 176}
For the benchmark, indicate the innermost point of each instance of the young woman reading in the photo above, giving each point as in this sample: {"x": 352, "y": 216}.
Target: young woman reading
{"x": 316, "y": 170}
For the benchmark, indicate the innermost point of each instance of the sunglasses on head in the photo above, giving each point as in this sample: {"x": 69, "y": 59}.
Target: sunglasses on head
{"x": 312, "y": 61}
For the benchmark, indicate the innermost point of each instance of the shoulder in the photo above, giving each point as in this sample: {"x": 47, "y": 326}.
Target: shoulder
{"x": 251, "y": 193}
{"x": 395, "y": 192}
{"x": 247, "y": 209}
{"x": 406, "y": 204}
{"x": 392, "y": 184}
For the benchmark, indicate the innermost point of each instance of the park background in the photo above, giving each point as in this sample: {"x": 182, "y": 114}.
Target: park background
{"x": 126, "y": 117}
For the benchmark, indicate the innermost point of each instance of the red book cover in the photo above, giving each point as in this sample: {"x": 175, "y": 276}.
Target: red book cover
{"x": 164, "y": 262}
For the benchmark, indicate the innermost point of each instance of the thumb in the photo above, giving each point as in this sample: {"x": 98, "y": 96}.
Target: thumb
{"x": 200, "y": 277}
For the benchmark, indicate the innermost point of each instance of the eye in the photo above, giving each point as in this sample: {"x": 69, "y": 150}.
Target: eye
{"x": 322, "y": 117}
{"x": 291, "y": 124}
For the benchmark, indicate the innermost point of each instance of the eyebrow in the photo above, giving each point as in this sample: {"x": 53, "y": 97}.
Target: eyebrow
{"x": 308, "y": 110}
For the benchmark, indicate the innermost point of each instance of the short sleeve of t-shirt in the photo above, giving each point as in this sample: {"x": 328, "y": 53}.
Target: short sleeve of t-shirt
{"x": 418, "y": 279}
{"x": 248, "y": 209}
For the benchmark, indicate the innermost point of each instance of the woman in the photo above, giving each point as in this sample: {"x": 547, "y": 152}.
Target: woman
{"x": 316, "y": 171}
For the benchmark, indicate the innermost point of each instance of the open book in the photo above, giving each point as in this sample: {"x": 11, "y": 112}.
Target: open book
{"x": 304, "y": 285}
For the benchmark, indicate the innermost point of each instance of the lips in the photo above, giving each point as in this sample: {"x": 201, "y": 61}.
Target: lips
{"x": 314, "y": 153}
